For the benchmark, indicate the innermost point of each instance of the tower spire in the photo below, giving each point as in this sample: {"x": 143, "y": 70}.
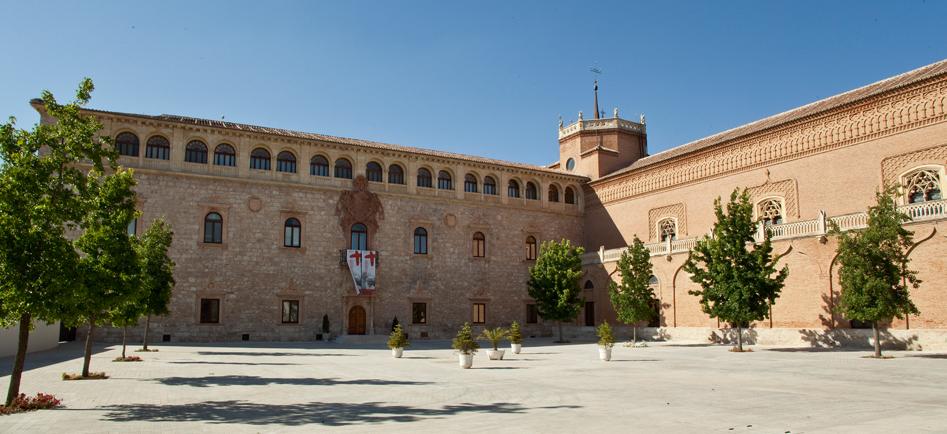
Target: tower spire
{"x": 596, "y": 100}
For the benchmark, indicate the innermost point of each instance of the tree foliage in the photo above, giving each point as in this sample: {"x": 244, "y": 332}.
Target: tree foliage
{"x": 554, "y": 281}
{"x": 157, "y": 271}
{"x": 873, "y": 266}
{"x": 633, "y": 298}
{"x": 738, "y": 283}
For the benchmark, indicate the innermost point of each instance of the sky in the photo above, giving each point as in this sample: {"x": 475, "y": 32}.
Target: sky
{"x": 483, "y": 78}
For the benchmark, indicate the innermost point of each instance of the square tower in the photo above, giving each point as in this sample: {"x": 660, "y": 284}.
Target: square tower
{"x": 597, "y": 147}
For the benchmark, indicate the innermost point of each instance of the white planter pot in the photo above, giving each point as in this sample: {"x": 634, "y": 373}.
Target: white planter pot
{"x": 495, "y": 354}
{"x": 605, "y": 353}
{"x": 516, "y": 348}
{"x": 466, "y": 360}
{"x": 397, "y": 352}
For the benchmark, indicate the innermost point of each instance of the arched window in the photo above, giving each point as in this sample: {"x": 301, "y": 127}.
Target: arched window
{"x": 479, "y": 245}
{"x": 224, "y": 155}
{"x": 318, "y": 166}
{"x": 343, "y": 168}
{"x": 158, "y": 148}
{"x": 489, "y": 186}
{"x": 553, "y": 193}
{"x": 373, "y": 172}
{"x": 513, "y": 190}
{"x": 444, "y": 181}
{"x": 653, "y": 282}
{"x": 195, "y": 152}
{"x": 530, "y": 248}
{"x": 292, "y": 233}
{"x": 770, "y": 211}
{"x": 286, "y": 162}
{"x": 570, "y": 195}
{"x": 260, "y": 159}
{"x": 424, "y": 178}
{"x": 589, "y": 285}
{"x": 532, "y": 193}
{"x": 395, "y": 174}
{"x": 213, "y": 228}
{"x": 359, "y": 237}
{"x": 470, "y": 183}
{"x": 923, "y": 186}
{"x": 420, "y": 241}
{"x": 126, "y": 144}
{"x": 667, "y": 230}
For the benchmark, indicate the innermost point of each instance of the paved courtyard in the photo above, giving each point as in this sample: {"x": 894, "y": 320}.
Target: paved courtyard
{"x": 548, "y": 388}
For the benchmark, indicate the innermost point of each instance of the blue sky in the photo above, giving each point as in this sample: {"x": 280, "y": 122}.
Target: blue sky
{"x": 483, "y": 78}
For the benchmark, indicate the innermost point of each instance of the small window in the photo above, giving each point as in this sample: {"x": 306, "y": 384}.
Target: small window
{"x": 532, "y": 314}
{"x": 479, "y": 245}
{"x": 292, "y": 233}
{"x": 530, "y": 248}
{"x": 395, "y": 174}
{"x": 532, "y": 193}
{"x": 923, "y": 186}
{"x": 133, "y": 227}
{"x": 290, "y": 313}
{"x": 373, "y": 172}
{"x": 419, "y": 313}
{"x": 210, "y": 310}
{"x": 470, "y": 183}
{"x": 343, "y": 168}
{"x": 513, "y": 189}
{"x": 570, "y": 164}
{"x": 570, "y": 196}
{"x": 213, "y": 228}
{"x": 359, "y": 237}
{"x": 770, "y": 211}
{"x": 444, "y": 181}
{"x": 553, "y": 193}
{"x": 424, "y": 178}
{"x": 589, "y": 284}
{"x": 286, "y": 162}
{"x": 420, "y": 241}
{"x": 653, "y": 282}
{"x": 319, "y": 166}
{"x": 260, "y": 159}
{"x": 126, "y": 144}
{"x": 479, "y": 313}
{"x": 158, "y": 148}
{"x": 195, "y": 152}
{"x": 667, "y": 230}
{"x": 224, "y": 155}
{"x": 489, "y": 186}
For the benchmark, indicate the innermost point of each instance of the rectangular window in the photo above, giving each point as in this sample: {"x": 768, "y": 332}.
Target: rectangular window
{"x": 490, "y": 189}
{"x": 479, "y": 313}
{"x": 210, "y": 310}
{"x": 532, "y": 314}
{"x": 290, "y": 312}
{"x": 133, "y": 227}
{"x": 470, "y": 186}
{"x": 419, "y": 313}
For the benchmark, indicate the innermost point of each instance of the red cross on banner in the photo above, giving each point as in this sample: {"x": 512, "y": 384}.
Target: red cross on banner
{"x": 363, "y": 272}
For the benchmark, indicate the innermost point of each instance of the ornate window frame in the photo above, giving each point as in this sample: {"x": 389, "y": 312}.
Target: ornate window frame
{"x": 904, "y": 178}
{"x": 659, "y": 228}
{"x": 758, "y": 212}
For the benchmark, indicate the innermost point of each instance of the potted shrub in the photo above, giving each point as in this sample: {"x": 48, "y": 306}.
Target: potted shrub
{"x": 605, "y": 341}
{"x": 516, "y": 338}
{"x": 397, "y": 341}
{"x": 495, "y": 336}
{"x": 325, "y": 328}
{"x": 465, "y": 345}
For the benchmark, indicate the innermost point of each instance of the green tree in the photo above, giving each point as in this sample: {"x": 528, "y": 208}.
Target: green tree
{"x": 739, "y": 284}
{"x": 554, "y": 281}
{"x": 42, "y": 192}
{"x": 157, "y": 270}
{"x": 873, "y": 267}
{"x": 109, "y": 267}
{"x": 633, "y": 299}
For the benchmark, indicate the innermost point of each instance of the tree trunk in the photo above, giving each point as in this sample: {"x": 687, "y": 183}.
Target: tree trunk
{"x": 634, "y": 334}
{"x": 22, "y": 344}
{"x": 144, "y": 345}
{"x": 124, "y": 334}
{"x": 88, "y": 349}
{"x": 740, "y": 338}
{"x": 560, "y": 331}
{"x": 874, "y": 329}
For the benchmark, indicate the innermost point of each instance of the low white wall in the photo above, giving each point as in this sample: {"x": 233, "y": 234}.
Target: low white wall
{"x": 42, "y": 337}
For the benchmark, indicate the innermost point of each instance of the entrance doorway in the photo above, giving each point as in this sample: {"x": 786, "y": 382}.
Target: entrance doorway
{"x": 589, "y": 313}
{"x": 357, "y": 320}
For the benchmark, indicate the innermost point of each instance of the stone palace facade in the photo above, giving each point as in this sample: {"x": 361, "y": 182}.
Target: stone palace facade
{"x": 261, "y": 229}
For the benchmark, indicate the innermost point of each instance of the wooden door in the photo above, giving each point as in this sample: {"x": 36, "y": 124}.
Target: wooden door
{"x": 589, "y": 313}
{"x": 357, "y": 320}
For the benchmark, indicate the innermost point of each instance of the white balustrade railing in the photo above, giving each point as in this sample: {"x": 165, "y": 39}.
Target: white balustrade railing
{"x": 851, "y": 221}
{"x": 926, "y": 210}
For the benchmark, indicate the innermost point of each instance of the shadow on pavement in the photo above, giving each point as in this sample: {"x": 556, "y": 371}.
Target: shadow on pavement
{"x": 269, "y": 354}
{"x": 232, "y": 363}
{"x": 246, "y": 380}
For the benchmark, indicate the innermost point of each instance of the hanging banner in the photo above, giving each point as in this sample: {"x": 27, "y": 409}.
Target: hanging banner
{"x": 362, "y": 265}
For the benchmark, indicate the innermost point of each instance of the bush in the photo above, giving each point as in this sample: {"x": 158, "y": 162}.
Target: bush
{"x": 127, "y": 359}
{"x": 605, "y": 337}
{"x": 92, "y": 376}
{"x": 516, "y": 335}
{"x": 464, "y": 342}
{"x": 397, "y": 338}
{"x": 494, "y": 336}
{"x": 25, "y": 403}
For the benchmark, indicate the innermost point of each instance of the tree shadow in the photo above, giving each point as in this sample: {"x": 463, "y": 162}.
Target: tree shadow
{"x": 500, "y": 367}
{"x": 331, "y": 414}
{"x": 247, "y": 380}
{"x": 635, "y": 360}
{"x": 233, "y": 363}
{"x": 418, "y": 357}
{"x": 270, "y": 354}
{"x": 930, "y": 356}
{"x": 856, "y": 339}
{"x": 39, "y": 359}
{"x": 729, "y": 336}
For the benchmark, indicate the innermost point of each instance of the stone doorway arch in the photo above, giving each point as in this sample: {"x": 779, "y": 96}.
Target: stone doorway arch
{"x": 356, "y": 323}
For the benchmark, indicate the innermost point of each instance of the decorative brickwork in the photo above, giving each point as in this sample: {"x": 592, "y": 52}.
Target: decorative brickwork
{"x": 675, "y": 211}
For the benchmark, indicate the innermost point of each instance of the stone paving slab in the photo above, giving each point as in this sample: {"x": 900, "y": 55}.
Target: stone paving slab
{"x": 289, "y": 387}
